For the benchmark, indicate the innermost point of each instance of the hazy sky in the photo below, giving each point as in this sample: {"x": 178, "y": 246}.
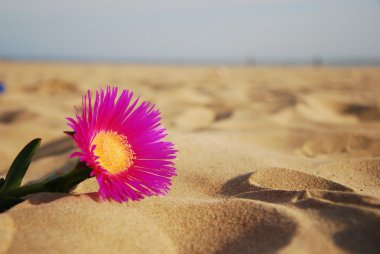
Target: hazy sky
{"x": 189, "y": 29}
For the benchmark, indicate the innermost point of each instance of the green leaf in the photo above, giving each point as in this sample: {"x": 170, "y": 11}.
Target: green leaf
{"x": 69, "y": 133}
{"x": 1, "y": 182}
{"x": 19, "y": 166}
{"x": 8, "y": 202}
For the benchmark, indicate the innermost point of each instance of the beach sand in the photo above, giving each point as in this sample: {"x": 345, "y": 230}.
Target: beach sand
{"x": 271, "y": 160}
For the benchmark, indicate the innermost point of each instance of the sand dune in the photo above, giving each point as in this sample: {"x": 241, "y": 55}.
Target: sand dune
{"x": 271, "y": 160}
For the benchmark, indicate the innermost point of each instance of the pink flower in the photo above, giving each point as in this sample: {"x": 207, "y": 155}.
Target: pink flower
{"x": 121, "y": 142}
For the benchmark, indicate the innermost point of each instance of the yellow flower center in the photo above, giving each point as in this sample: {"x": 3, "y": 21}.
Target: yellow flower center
{"x": 114, "y": 151}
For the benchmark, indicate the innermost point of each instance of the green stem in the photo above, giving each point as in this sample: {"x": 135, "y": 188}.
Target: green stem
{"x": 56, "y": 182}
{"x": 28, "y": 189}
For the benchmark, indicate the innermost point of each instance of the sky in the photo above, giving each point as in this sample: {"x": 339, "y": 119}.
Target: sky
{"x": 190, "y": 30}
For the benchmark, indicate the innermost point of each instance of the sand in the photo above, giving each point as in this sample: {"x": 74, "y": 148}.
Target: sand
{"x": 271, "y": 160}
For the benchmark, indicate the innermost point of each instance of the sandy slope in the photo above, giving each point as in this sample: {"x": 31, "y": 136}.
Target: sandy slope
{"x": 283, "y": 160}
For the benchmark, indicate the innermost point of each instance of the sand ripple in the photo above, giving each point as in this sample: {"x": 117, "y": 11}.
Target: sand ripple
{"x": 271, "y": 160}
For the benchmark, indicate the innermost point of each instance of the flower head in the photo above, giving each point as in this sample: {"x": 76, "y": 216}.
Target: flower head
{"x": 122, "y": 142}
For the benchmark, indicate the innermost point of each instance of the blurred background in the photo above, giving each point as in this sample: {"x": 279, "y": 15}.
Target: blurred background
{"x": 337, "y": 32}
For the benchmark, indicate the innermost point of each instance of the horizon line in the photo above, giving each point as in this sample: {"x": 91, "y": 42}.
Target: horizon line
{"x": 249, "y": 61}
